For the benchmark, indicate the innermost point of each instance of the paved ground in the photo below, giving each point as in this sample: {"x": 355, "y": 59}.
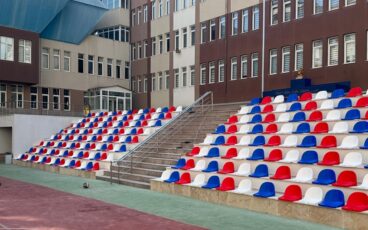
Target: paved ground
{"x": 177, "y": 208}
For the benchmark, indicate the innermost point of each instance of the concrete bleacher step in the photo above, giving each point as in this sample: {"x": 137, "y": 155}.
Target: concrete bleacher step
{"x": 130, "y": 176}
{"x": 126, "y": 182}
{"x": 146, "y": 165}
{"x": 137, "y": 170}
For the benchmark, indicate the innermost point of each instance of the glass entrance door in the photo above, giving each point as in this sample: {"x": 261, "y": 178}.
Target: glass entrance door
{"x": 112, "y": 104}
{"x": 120, "y": 103}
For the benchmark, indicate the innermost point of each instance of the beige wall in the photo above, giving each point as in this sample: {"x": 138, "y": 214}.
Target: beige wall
{"x": 184, "y": 18}
{"x": 160, "y": 98}
{"x": 96, "y": 46}
{"x": 184, "y": 96}
{"x": 114, "y": 17}
{"x": 212, "y": 9}
{"x": 5, "y": 140}
{"x": 160, "y": 63}
{"x": 241, "y": 4}
{"x": 160, "y": 26}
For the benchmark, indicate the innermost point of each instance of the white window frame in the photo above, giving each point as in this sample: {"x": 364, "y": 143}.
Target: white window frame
{"x": 244, "y": 62}
{"x": 7, "y": 43}
{"x": 203, "y": 74}
{"x": 274, "y": 12}
{"x": 273, "y": 57}
{"x": 346, "y": 43}
{"x": 315, "y": 7}
{"x": 211, "y": 73}
{"x": 221, "y": 71}
{"x": 330, "y": 8}
{"x": 286, "y": 4}
{"x": 353, "y": 2}
{"x": 255, "y": 58}
{"x": 234, "y": 23}
{"x": 314, "y": 48}
{"x": 234, "y": 74}
{"x": 245, "y": 21}
{"x": 299, "y": 4}
{"x": 222, "y": 27}
{"x": 297, "y": 51}
{"x": 255, "y": 18}
{"x": 45, "y": 56}
{"x": 329, "y": 47}
{"x": 286, "y": 51}
{"x": 67, "y": 61}
{"x": 26, "y": 46}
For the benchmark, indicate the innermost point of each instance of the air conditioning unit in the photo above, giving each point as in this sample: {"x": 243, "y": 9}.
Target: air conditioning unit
{"x": 178, "y": 51}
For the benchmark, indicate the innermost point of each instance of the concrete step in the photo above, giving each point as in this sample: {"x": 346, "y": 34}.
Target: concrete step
{"x": 130, "y": 176}
{"x": 145, "y": 165}
{"x": 137, "y": 184}
{"x": 137, "y": 170}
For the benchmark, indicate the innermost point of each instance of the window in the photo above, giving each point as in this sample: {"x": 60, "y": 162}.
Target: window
{"x": 160, "y": 8}
{"x": 317, "y": 54}
{"x": 140, "y": 50}
{"x": 167, "y": 7}
{"x": 234, "y": 25}
{"x": 234, "y": 68}
{"x": 184, "y": 76}
{"x": 286, "y": 59}
{"x": 145, "y": 46}
{"x": 56, "y": 59}
{"x": 221, "y": 71}
{"x": 203, "y": 32}
{"x": 244, "y": 66}
{"x": 100, "y": 66}
{"x": 203, "y": 74}
{"x": 254, "y": 65}
{"x": 161, "y": 43}
{"x": 80, "y": 63}
{"x": 45, "y": 98}
{"x": 274, "y": 11}
{"x": 185, "y": 38}
{"x": 145, "y": 85}
{"x": 299, "y": 12}
{"x": 45, "y": 58}
{"x": 34, "y": 98}
{"x": 7, "y": 49}
{"x": 349, "y": 47}
{"x": 118, "y": 69}
{"x": 160, "y": 81}
{"x": 117, "y": 33}
{"x": 127, "y": 70}
{"x": 333, "y": 4}
{"x": 139, "y": 85}
{"x": 211, "y": 72}
{"x": 145, "y": 13}
{"x": 255, "y": 18}
{"x": 17, "y": 95}
{"x": 222, "y": 33}
{"x": 168, "y": 42}
{"x": 109, "y": 67}
{"x": 192, "y": 30}
{"x": 139, "y": 15}
{"x": 133, "y": 17}
{"x": 192, "y": 75}
{"x": 177, "y": 5}
{"x": 66, "y": 100}
{"x": 176, "y": 78}
{"x": 153, "y": 82}
{"x": 56, "y": 99}
{"x": 153, "y": 9}
{"x": 167, "y": 83}
{"x": 287, "y": 11}
{"x": 350, "y": 2}
{"x": 2, "y": 95}
{"x": 134, "y": 52}
{"x": 317, "y": 6}
{"x": 245, "y": 22}
{"x": 67, "y": 61}
{"x": 177, "y": 40}
{"x": 298, "y": 57}
{"x": 153, "y": 46}
{"x": 273, "y": 61}
{"x": 213, "y": 30}
{"x": 25, "y": 51}
{"x": 134, "y": 89}
{"x": 333, "y": 51}
{"x": 90, "y": 64}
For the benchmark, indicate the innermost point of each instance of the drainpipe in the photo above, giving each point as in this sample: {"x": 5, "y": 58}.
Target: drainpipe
{"x": 263, "y": 43}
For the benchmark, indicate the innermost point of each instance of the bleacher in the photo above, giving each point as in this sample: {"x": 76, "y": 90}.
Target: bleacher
{"x": 91, "y": 143}
{"x": 310, "y": 149}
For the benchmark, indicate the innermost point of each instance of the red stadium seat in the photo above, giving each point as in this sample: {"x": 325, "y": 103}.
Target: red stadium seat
{"x": 271, "y": 128}
{"x": 96, "y": 166}
{"x": 148, "y": 116}
{"x": 144, "y": 123}
{"x": 312, "y": 105}
{"x": 362, "y": 102}
{"x": 365, "y": 116}
{"x": 232, "y": 120}
{"x": 116, "y": 138}
{"x": 231, "y": 153}
{"x": 103, "y": 156}
{"x": 168, "y": 116}
{"x": 267, "y": 109}
{"x": 227, "y": 168}
{"x": 232, "y": 140}
{"x": 195, "y": 151}
{"x": 357, "y": 202}
{"x": 84, "y": 138}
{"x": 135, "y": 140}
{"x": 354, "y": 92}
{"x": 172, "y": 109}
{"x": 282, "y": 173}
{"x": 292, "y": 193}
{"x": 269, "y": 118}
{"x": 184, "y": 179}
{"x": 274, "y": 141}
{"x": 330, "y": 158}
{"x": 307, "y": 96}
{"x": 328, "y": 142}
{"x": 189, "y": 164}
{"x": 232, "y": 129}
{"x": 140, "y": 131}
{"x": 321, "y": 127}
{"x": 266, "y": 100}
{"x": 346, "y": 179}
{"x": 315, "y": 116}
{"x": 121, "y": 131}
{"x": 110, "y": 147}
{"x": 85, "y": 155}
{"x": 152, "y": 110}
{"x": 99, "y": 138}
{"x": 105, "y": 131}
{"x": 227, "y": 184}
{"x": 274, "y": 155}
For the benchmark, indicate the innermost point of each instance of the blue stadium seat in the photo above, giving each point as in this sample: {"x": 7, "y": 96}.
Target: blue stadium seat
{"x": 292, "y": 97}
{"x": 220, "y": 129}
{"x": 302, "y": 128}
{"x": 125, "y": 118}
{"x": 308, "y": 141}
{"x": 80, "y": 138}
{"x": 99, "y": 132}
{"x": 254, "y": 101}
{"x": 213, "y": 152}
{"x": 257, "y": 154}
{"x": 220, "y": 140}
{"x": 325, "y": 177}
{"x": 103, "y": 147}
{"x": 158, "y": 123}
{"x": 122, "y": 148}
{"x": 88, "y": 167}
{"x": 258, "y": 140}
{"x": 256, "y": 119}
{"x": 211, "y": 167}
{"x": 57, "y": 162}
{"x": 109, "y": 119}
{"x": 165, "y": 109}
{"x": 255, "y": 109}
{"x": 161, "y": 116}
{"x": 97, "y": 156}
{"x": 146, "y": 110}
{"x": 365, "y": 145}
{"x": 94, "y": 138}
{"x": 133, "y": 131}
{"x": 71, "y": 164}
{"x": 79, "y": 155}
{"x": 115, "y": 132}
{"x": 344, "y": 103}
{"x": 295, "y": 107}
{"x": 256, "y": 129}
{"x": 110, "y": 139}
{"x": 65, "y": 153}
{"x": 352, "y": 115}
{"x": 128, "y": 139}
{"x": 334, "y": 198}
{"x": 260, "y": 171}
{"x": 267, "y": 189}
{"x": 105, "y": 124}
{"x": 213, "y": 182}
{"x": 360, "y": 127}
{"x": 181, "y": 163}
{"x": 174, "y": 177}
{"x": 52, "y": 152}
{"x": 337, "y": 93}
{"x": 309, "y": 157}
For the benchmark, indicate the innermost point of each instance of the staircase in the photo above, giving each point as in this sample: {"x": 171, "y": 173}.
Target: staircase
{"x": 152, "y": 158}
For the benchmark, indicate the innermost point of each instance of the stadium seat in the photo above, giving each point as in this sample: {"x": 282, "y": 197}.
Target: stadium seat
{"x": 243, "y": 129}
{"x": 344, "y": 103}
{"x": 290, "y": 141}
{"x": 321, "y": 127}
{"x": 321, "y": 95}
{"x": 357, "y": 202}
{"x": 325, "y": 177}
{"x": 292, "y": 97}
{"x": 227, "y": 184}
{"x": 312, "y": 105}
{"x": 349, "y": 142}
{"x": 256, "y": 129}
{"x": 174, "y": 177}
{"x": 198, "y": 181}
{"x": 308, "y": 141}
{"x": 273, "y": 141}
{"x": 211, "y": 167}
{"x": 208, "y": 140}
{"x": 365, "y": 145}
{"x": 281, "y": 108}
{"x": 231, "y": 129}
{"x": 243, "y": 110}
{"x": 328, "y": 142}
{"x": 267, "y": 109}
{"x": 227, "y": 168}
{"x": 282, "y": 173}
{"x": 307, "y": 96}
{"x": 295, "y": 107}
{"x": 309, "y": 157}
{"x": 269, "y": 118}
{"x": 244, "y": 119}
{"x": 220, "y": 129}
{"x": 220, "y": 140}
{"x": 232, "y": 140}
{"x": 327, "y": 105}
{"x": 274, "y": 155}
{"x": 346, "y": 179}
{"x": 184, "y": 179}
{"x": 213, "y": 182}
{"x": 232, "y": 120}
{"x": 255, "y": 110}
{"x": 258, "y": 141}
{"x": 340, "y": 127}
{"x": 256, "y": 119}
{"x": 315, "y": 116}
{"x": 278, "y": 99}
{"x": 284, "y": 117}
{"x": 244, "y": 187}
{"x": 271, "y": 128}
{"x": 304, "y": 175}
{"x": 313, "y": 196}
{"x": 362, "y": 102}
{"x": 200, "y": 165}
{"x": 188, "y": 165}
{"x": 352, "y": 114}
{"x": 230, "y": 153}
{"x": 292, "y": 193}
{"x": 245, "y": 140}
{"x": 364, "y": 184}
{"x": 213, "y": 152}
{"x": 254, "y": 101}
{"x": 243, "y": 170}
{"x": 337, "y": 93}
{"x": 352, "y": 159}
{"x": 260, "y": 171}
{"x": 286, "y": 129}
{"x": 195, "y": 151}
{"x": 333, "y": 199}
{"x": 258, "y": 154}
{"x": 360, "y": 127}
{"x": 333, "y": 115}
{"x": 354, "y": 92}
{"x": 298, "y": 117}
{"x": 266, "y": 190}
{"x": 243, "y": 154}
{"x": 330, "y": 158}
{"x": 302, "y": 128}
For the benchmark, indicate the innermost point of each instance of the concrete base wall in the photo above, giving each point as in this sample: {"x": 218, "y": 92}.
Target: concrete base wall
{"x": 5, "y": 140}
{"x": 332, "y": 217}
